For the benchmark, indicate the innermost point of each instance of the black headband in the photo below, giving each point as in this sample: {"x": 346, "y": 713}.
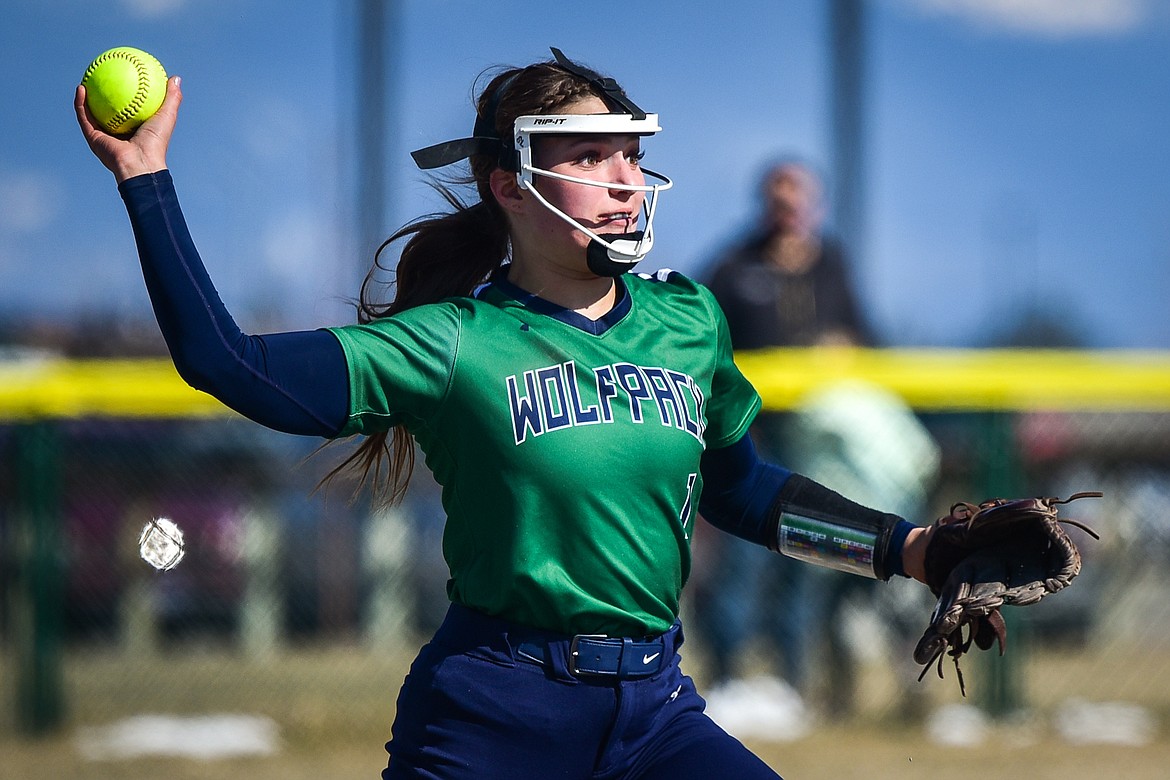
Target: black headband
{"x": 485, "y": 139}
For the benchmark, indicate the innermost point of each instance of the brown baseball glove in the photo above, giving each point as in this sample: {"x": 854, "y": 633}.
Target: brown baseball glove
{"x": 980, "y": 558}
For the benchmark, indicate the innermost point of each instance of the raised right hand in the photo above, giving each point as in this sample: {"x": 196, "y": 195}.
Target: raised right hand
{"x": 143, "y": 152}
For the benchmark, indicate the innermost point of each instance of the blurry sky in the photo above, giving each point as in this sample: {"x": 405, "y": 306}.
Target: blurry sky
{"x": 1017, "y": 151}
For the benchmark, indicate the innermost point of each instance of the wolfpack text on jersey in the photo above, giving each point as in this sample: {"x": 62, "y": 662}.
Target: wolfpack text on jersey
{"x": 550, "y": 398}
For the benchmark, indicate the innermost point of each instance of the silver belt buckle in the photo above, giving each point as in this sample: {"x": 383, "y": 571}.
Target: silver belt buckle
{"x": 574, "y": 655}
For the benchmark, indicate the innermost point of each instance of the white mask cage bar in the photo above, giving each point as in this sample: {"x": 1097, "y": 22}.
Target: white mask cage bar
{"x": 628, "y": 248}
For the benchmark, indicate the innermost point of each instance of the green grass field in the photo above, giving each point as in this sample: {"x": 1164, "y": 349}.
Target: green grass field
{"x": 334, "y": 707}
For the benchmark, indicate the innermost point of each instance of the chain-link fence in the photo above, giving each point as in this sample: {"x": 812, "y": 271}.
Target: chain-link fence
{"x": 301, "y": 608}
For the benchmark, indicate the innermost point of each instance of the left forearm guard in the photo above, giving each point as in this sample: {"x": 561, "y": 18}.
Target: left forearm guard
{"x": 810, "y": 522}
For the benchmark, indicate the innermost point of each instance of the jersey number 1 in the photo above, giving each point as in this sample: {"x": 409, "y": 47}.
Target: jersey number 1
{"x": 684, "y": 516}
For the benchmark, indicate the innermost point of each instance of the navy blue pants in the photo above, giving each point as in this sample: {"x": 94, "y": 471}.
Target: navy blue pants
{"x": 472, "y": 706}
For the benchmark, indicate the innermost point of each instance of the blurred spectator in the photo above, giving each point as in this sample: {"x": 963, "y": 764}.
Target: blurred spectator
{"x": 786, "y": 284}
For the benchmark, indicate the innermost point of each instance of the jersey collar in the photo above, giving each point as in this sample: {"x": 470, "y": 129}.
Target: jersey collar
{"x": 539, "y": 305}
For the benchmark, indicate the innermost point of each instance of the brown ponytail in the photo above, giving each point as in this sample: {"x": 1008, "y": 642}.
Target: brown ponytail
{"x": 450, "y": 254}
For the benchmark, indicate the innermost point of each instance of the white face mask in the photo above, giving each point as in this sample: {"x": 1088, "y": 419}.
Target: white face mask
{"x": 614, "y": 254}
{"x": 610, "y": 256}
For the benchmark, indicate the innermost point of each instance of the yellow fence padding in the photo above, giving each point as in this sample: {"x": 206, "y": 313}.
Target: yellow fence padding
{"x": 928, "y": 379}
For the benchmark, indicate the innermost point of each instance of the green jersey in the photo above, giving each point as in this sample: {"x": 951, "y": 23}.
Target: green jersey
{"x": 567, "y": 450}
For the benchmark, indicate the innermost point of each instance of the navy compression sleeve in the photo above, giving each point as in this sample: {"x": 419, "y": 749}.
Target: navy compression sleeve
{"x": 745, "y": 496}
{"x": 739, "y": 490}
{"x": 291, "y": 382}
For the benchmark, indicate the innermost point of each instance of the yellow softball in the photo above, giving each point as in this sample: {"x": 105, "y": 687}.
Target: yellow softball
{"x": 123, "y": 88}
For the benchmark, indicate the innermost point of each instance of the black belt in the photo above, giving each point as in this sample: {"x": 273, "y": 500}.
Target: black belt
{"x": 605, "y": 656}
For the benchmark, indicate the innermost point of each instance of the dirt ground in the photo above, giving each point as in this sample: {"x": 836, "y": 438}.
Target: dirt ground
{"x": 836, "y": 753}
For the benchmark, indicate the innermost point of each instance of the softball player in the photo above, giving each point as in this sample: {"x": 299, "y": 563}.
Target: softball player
{"x": 578, "y": 417}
